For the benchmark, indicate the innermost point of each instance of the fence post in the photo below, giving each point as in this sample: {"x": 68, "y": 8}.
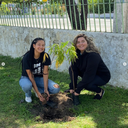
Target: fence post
{"x": 125, "y": 16}
{"x": 117, "y": 21}
{"x": 120, "y": 21}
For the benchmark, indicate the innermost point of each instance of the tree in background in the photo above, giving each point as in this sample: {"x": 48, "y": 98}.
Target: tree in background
{"x": 17, "y": 1}
{"x": 78, "y": 17}
{"x": 79, "y": 21}
{"x": 6, "y": 1}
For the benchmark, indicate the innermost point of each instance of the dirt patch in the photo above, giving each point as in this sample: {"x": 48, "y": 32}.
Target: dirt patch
{"x": 62, "y": 111}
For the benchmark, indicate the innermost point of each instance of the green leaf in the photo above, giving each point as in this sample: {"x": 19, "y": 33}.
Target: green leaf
{"x": 63, "y": 51}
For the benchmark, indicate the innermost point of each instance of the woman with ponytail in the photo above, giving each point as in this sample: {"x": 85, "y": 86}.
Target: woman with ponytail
{"x": 35, "y": 65}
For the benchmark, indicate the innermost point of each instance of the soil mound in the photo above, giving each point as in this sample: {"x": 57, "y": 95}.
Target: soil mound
{"x": 62, "y": 112}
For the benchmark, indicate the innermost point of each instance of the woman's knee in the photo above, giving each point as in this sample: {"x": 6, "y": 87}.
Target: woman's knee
{"x": 25, "y": 84}
{"x": 56, "y": 89}
{"x": 88, "y": 87}
{"x": 26, "y": 87}
{"x": 56, "y": 86}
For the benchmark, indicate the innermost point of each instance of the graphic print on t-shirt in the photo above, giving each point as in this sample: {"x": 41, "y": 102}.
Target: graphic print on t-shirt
{"x": 37, "y": 65}
{"x": 37, "y": 69}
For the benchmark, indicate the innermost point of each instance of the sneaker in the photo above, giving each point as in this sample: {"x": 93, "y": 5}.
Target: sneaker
{"x": 97, "y": 96}
{"x": 28, "y": 99}
{"x": 35, "y": 92}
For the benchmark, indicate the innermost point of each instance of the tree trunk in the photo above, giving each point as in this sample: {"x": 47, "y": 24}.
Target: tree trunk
{"x": 0, "y": 3}
{"x": 79, "y": 22}
{"x": 73, "y": 13}
{"x": 84, "y": 13}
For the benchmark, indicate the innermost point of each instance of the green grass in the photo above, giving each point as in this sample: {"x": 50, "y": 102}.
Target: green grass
{"x": 110, "y": 112}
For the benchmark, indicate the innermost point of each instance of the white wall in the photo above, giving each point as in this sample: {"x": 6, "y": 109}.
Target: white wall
{"x": 15, "y": 41}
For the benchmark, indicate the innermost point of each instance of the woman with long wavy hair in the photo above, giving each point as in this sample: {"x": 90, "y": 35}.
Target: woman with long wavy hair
{"x": 90, "y": 66}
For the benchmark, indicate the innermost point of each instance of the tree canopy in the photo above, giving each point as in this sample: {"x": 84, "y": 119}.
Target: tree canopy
{"x": 17, "y": 1}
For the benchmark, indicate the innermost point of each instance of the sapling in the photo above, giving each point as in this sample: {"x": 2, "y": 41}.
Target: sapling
{"x": 63, "y": 51}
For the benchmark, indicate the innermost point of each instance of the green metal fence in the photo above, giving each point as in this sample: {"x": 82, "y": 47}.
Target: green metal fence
{"x": 93, "y": 15}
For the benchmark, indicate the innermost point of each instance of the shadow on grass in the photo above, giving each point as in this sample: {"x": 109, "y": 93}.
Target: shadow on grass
{"x": 109, "y": 112}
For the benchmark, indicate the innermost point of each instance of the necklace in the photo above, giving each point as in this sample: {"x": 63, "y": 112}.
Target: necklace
{"x": 37, "y": 60}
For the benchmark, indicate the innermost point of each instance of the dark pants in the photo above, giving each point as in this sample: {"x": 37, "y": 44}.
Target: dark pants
{"x": 92, "y": 86}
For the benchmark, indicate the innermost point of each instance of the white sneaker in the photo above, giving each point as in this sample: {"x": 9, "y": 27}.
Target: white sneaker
{"x": 35, "y": 92}
{"x": 28, "y": 99}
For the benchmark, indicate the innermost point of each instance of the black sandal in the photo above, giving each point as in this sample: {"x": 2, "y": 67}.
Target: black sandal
{"x": 97, "y": 96}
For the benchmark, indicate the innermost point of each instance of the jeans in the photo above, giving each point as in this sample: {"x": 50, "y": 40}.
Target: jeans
{"x": 26, "y": 85}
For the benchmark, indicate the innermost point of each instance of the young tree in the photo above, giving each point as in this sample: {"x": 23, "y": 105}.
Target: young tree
{"x": 63, "y": 51}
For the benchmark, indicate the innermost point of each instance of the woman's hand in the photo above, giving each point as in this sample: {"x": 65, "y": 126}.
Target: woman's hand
{"x": 46, "y": 91}
{"x": 76, "y": 94}
{"x": 41, "y": 98}
{"x": 71, "y": 91}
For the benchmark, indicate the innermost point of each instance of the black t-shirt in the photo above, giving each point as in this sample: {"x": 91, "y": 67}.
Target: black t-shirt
{"x": 37, "y": 64}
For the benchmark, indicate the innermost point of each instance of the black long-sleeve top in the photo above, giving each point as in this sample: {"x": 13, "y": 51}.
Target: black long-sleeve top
{"x": 90, "y": 65}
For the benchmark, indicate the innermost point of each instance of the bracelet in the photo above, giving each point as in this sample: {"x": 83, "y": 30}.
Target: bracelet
{"x": 45, "y": 73}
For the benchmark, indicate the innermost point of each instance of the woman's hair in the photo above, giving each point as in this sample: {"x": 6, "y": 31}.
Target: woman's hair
{"x": 31, "y": 51}
{"x": 91, "y": 46}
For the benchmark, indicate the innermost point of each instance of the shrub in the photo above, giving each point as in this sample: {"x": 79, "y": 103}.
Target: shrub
{"x": 3, "y": 9}
{"x": 33, "y": 11}
{"x": 56, "y": 1}
{"x": 95, "y": 4}
{"x": 54, "y": 9}
{"x": 44, "y": 11}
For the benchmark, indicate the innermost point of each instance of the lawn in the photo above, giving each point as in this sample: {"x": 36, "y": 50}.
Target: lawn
{"x": 109, "y": 112}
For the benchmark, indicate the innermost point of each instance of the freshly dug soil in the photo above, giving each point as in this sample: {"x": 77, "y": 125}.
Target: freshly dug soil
{"x": 62, "y": 112}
